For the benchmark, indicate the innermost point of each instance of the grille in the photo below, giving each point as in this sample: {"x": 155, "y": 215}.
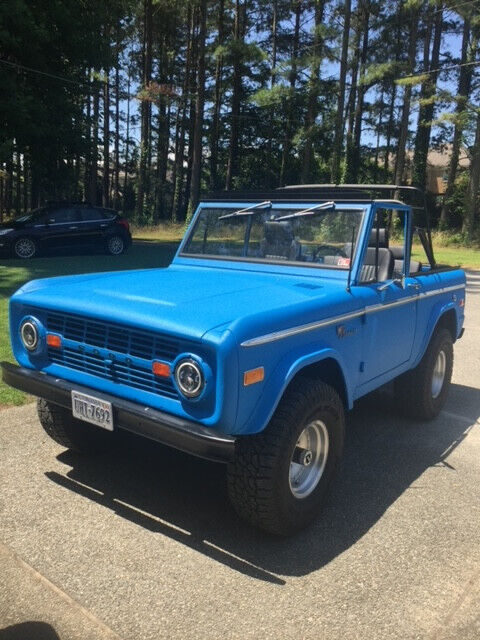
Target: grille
{"x": 140, "y": 344}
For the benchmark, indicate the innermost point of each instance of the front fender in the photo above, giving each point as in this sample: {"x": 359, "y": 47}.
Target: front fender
{"x": 274, "y": 387}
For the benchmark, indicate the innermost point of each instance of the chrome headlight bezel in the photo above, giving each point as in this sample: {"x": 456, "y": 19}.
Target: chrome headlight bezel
{"x": 29, "y": 324}
{"x": 180, "y": 368}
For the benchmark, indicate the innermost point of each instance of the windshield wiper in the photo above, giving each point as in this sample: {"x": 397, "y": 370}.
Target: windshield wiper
{"x": 248, "y": 211}
{"x": 308, "y": 212}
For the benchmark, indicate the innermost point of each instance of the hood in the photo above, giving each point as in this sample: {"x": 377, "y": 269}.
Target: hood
{"x": 186, "y": 300}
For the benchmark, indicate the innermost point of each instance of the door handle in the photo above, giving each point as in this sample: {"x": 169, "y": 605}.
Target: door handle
{"x": 71, "y": 228}
{"x": 414, "y": 285}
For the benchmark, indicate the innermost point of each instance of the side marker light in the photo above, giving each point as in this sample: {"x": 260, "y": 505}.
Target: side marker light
{"x": 253, "y": 376}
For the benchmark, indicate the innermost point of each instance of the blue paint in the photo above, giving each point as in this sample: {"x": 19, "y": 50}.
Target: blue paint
{"x": 207, "y": 308}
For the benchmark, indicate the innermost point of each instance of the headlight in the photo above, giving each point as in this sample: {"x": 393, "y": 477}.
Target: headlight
{"x": 189, "y": 378}
{"x": 29, "y": 335}
{"x": 4, "y": 231}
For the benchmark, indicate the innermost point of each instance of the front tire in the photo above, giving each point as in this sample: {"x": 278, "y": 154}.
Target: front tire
{"x": 422, "y": 392}
{"x": 278, "y": 478}
{"x": 71, "y": 433}
{"x": 25, "y": 248}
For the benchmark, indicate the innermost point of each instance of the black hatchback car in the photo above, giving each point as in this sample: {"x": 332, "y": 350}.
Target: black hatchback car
{"x": 65, "y": 226}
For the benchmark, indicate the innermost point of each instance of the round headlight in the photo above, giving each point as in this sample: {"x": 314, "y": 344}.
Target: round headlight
{"x": 189, "y": 378}
{"x": 29, "y": 335}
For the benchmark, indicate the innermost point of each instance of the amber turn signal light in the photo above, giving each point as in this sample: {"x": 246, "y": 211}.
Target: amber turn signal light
{"x": 54, "y": 341}
{"x": 161, "y": 369}
{"x": 253, "y": 376}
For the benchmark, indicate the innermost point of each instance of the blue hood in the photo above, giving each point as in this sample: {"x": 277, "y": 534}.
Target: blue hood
{"x": 188, "y": 300}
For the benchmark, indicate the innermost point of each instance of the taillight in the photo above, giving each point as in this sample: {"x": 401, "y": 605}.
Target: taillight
{"x": 124, "y": 223}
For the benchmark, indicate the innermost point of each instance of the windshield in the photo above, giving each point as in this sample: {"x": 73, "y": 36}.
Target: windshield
{"x": 322, "y": 238}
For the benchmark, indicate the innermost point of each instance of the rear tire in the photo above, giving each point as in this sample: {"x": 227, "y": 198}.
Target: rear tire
{"x": 115, "y": 245}
{"x": 278, "y": 478}
{"x": 422, "y": 392}
{"x": 71, "y": 433}
{"x": 25, "y": 248}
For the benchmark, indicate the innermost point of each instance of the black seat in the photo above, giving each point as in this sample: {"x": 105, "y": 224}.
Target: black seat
{"x": 415, "y": 267}
{"x": 279, "y": 241}
{"x": 385, "y": 265}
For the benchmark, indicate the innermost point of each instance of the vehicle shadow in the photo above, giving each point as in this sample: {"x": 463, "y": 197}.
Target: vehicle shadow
{"x": 185, "y": 498}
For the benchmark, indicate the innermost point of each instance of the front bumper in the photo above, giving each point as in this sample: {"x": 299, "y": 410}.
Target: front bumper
{"x": 178, "y": 433}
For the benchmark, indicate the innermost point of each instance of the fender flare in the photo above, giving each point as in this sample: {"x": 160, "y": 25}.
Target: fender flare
{"x": 438, "y": 311}
{"x": 286, "y": 370}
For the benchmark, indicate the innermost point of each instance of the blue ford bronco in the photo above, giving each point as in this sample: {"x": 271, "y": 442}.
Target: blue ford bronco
{"x": 278, "y": 311}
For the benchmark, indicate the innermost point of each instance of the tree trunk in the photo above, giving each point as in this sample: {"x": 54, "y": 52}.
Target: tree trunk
{"x": 181, "y": 121}
{"x": 92, "y": 186}
{"x": 471, "y": 204}
{"x": 285, "y": 165}
{"x": 215, "y": 128}
{"x": 407, "y": 98}
{"x": 106, "y": 142}
{"x": 426, "y": 111}
{"x": 116, "y": 174}
{"x": 145, "y": 114}
{"x": 353, "y": 99}
{"x": 339, "y": 120}
{"x": 127, "y": 141}
{"x": 313, "y": 93}
{"x": 199, "y": 109}
{"x": 464, "y": 85}
{"x": 233, "y": 164}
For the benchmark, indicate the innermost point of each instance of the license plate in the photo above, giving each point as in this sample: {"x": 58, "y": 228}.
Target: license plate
{"x": 93, "y": 410}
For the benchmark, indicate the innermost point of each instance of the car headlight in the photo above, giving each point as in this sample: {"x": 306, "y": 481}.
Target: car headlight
{"x": 4, "y": 231}
{"x": 189, "y": 378}
{"x": 29, "y": 335}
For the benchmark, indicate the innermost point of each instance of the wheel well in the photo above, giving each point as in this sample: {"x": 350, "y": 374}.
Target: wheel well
{"x": 328, "y": 371}
{"x": 448, "y": 320}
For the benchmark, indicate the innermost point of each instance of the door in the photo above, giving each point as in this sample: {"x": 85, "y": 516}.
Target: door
{"x": 62, "y": 229}
{"x": 94, "y": 223}
{"x": 390, "y": 295}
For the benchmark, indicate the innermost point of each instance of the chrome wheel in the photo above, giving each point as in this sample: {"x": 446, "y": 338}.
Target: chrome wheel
{"x": 309, "y": 459}
{"x": 439, "y": 374}
{"x": 115, "y": 245}
{"x": 25, "y": 248}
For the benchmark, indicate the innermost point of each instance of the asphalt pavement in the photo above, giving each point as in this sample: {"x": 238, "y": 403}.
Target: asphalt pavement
{"x": 141, "y": 543}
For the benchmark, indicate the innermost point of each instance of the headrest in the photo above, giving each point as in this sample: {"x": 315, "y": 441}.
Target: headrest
{"x": 382, "y": 238}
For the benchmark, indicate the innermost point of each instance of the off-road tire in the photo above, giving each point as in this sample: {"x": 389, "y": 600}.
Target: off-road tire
{"x": 23, "y": 255}
{"x": 413, "y": 389}
{"x": 258, "y": 477}
{"x": 71, "y": 433}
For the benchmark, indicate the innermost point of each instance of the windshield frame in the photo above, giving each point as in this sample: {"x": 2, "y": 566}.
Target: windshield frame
{"x": 363, "y": 207}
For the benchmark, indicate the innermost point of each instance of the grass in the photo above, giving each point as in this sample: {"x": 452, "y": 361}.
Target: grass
{"x": 14, "y": 273}
{"x": 465, "y": 257}
{"x": 155, "y": 250}
{"x": 162, "y": 233}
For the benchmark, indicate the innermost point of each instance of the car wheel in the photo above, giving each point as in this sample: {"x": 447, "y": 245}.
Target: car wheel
{"x": 278, "y": 478}
{"x": 25, "y": 248}
{"x": 116, "y": 245}
{"x": 71, "y": 433}
{"x": 422, "y": 392}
